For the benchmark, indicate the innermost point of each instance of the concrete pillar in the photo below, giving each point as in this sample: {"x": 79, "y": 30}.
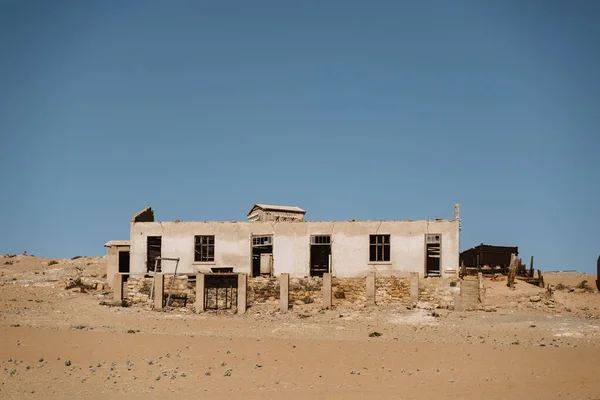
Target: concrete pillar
{"x": 458, "y": 304}
{"x": 200, "y": 300}
{"x": 414, "y": 287}
{"x": 242, "y": 293}
{"x": 118, "y": 287}
{"x": 371, "y": 288}
{"x": 159, "y": 286}
{"x": 284, "y": 292}
{"x": 327, "y": 290}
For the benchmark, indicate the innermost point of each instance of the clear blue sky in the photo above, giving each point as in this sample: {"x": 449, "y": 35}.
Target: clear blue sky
{"x": 350, "y": 109}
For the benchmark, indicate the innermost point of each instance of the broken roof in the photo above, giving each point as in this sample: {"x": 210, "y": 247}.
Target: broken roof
{"x": 275, "y": 207}
{"x": 115, "y": 243}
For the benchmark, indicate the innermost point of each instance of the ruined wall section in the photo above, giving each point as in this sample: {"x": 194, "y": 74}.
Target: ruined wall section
{"x": 137, "y": 290}
{"x": 291, "y": 246}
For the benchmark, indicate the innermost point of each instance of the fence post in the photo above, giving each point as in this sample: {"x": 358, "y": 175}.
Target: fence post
{"x": 200, "y": 300}
{"x": 159, "y": 287}
{"x": 242, "y": 293}
{"x": 327, "y": 290}
{"x": 414, "y": 287}
{"x": 118, "y": 288}
{"x": 284, "y": 292}
{"x": 371, "y": 288}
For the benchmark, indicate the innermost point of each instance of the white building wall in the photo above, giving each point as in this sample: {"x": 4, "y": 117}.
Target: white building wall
{"x": 291, "y": 245}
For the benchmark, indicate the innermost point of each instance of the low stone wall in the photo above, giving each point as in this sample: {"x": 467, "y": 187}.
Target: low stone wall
{"x": 439, "y": 291}
{"x": 349, "y": 290}
{"x": 392, "y": 290}
{"x": 306, "y": 290}
{"x": 137, "y": 290}
{"x": 263, "y": 290}
{"x": 344, "y": 290}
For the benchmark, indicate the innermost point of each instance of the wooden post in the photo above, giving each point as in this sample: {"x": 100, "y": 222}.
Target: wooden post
{"x": 512, "y": 271}
{"x": 598, "y": 274}
{"x": 540, "y": 279}
{"x": 531, "y": 268}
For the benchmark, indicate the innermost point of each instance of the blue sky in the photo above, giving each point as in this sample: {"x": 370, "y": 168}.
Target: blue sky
{"x": 349, "y": 109}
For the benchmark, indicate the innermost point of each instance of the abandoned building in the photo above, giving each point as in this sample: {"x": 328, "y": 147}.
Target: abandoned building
{"x": 488, "y": 255}
{"x": 276, "y": 239}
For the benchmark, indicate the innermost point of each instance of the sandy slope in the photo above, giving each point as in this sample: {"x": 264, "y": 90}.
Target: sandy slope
{"x": 522, "y": 350}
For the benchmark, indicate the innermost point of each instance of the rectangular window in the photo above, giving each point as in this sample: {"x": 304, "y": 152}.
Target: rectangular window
{"x": 262, "y": 240}
{"x": 379, "y": 248}
{"x": 320, "y": 239}
{"x": 204, "y": 248}
{"x": 433, "y": 239}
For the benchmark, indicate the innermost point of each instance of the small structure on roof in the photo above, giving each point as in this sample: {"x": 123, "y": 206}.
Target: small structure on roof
{"x": 272, "y": 212}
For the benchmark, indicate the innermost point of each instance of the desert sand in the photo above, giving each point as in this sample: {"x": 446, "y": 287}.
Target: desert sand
{"x": 61, "y": 343}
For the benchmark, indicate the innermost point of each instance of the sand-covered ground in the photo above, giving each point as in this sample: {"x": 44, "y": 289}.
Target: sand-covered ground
{"x": 59, "y": 343}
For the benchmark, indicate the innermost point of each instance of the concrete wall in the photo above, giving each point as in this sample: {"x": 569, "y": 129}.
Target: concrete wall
{"x": 291, "y": 245}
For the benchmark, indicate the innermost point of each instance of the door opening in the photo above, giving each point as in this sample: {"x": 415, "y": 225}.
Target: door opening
{"x": 124, "y": 264}
{"x": 433, "y": 255}
{"x": 153, "y": 251}
{"x": 320, "y": 254}
{"x": 262, "y": 255}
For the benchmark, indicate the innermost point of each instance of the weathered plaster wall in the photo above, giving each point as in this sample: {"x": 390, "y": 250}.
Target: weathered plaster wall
{"x": 291, "y": 245}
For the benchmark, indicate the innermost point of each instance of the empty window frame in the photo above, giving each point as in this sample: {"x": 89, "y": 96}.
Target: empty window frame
{"x": 379, "y": 248}
{"x": 433, "y": 239}
{"x": 204, "y": 248}
{"x": 262, "y": 241}
{"x": 320, "y": 239}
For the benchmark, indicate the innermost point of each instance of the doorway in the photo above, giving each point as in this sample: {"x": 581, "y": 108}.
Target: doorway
{"x": 153, "y": 251}
{"x": 320, "y": 254}
{"x": 433, "y": 255}
{"x": 124, "y": 264}
{"x": 262, "y": 255}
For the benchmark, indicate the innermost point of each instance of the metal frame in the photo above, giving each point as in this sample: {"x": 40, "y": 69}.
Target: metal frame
{"x": 156, "y": 260}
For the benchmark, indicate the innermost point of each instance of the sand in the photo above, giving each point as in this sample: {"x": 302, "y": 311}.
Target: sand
{"x": 59, "y": 343}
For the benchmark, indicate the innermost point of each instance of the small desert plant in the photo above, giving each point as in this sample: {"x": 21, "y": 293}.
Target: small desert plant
{"x": 10, "y": 262}
{"x": 52, "y": 262}
{"x": 80, "y": 327}
{"x": 582, "y": 284}
{"x": 453, "y": 284}
{"x": 560, "y": 286}
{"x": 375, "y": 334}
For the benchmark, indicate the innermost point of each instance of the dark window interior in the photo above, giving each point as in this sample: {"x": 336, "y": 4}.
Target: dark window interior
{"x": 204, "y": 248}
{"x": 379, "y": 248}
